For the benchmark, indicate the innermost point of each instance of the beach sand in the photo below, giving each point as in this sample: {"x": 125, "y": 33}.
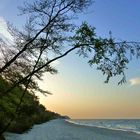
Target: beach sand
{"x": 60, "y": 129}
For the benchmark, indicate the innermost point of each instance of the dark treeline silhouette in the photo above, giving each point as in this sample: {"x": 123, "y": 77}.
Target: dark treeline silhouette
{"x": 29, "y": 113}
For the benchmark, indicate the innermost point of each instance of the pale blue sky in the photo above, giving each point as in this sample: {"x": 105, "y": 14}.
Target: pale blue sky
{"x": 79, "y": 91}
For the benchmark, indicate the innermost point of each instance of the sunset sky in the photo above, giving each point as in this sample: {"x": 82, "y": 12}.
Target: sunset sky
{"x": 78, "y": 90}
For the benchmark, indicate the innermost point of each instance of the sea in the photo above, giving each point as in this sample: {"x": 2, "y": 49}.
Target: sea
{"x": 131, "y": 125}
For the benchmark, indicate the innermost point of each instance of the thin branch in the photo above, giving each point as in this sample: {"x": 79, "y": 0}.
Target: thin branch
{"x": 35, "y": 71}
{"x": 28, "y": 43}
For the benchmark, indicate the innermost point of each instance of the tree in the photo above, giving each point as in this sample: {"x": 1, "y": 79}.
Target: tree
{"x": 49, "y": 30}
{"x": 43, "y": 33}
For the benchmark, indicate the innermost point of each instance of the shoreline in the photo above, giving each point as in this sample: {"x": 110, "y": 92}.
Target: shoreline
{"x": 101, "y": 127}
{"x": 60, "y": 129}
{"x": 106, "y": 130}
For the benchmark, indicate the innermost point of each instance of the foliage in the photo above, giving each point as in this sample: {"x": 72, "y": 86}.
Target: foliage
{"x": 30, "y": 112}
{"x": 110, "y": 57}
{"x": 45, "y": 33}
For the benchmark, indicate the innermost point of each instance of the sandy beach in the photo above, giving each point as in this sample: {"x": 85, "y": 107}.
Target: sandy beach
{"x": 60, "y": 129}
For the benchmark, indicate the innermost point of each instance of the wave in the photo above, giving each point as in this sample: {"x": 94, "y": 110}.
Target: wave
{"x": 127, "y": 129}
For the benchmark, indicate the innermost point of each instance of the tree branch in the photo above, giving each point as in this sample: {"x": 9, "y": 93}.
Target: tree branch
{"x": 35, "y": 71}
{"x": 28, "y": 43}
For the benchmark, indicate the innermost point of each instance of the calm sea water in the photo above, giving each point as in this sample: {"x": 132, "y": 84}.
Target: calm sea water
{"x": 132, "y": 125}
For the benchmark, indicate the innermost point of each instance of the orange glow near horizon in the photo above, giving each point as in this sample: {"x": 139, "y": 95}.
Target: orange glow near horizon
{"x": 101, "y": 103}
